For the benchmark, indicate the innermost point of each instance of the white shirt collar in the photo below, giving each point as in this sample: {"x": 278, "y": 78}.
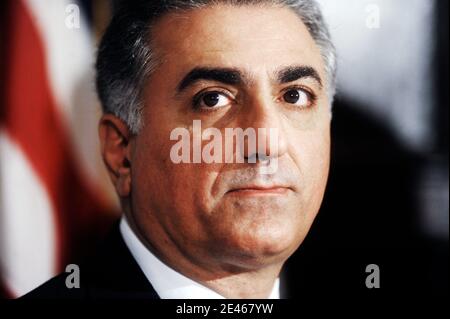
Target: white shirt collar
{"x": 167, "y": 282}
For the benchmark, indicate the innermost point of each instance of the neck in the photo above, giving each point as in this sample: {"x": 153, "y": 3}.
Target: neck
{"x": 246, "y": 285}
{"x": 229, "y": 279}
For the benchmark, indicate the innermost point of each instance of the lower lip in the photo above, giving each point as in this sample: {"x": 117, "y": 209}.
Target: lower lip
{"x": 277, "y": 191}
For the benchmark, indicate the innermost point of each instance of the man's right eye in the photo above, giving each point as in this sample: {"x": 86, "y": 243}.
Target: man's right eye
{"x": 211, "y": 100}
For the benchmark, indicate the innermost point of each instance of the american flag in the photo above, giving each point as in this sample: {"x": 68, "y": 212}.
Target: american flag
{"x": 54, "y": 198}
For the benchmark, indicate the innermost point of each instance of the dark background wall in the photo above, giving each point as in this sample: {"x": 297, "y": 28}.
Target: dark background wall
{"x": 387, "y": 198}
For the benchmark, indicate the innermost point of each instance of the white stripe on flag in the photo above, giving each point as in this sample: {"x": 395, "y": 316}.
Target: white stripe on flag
{"x": 27, "y": 236}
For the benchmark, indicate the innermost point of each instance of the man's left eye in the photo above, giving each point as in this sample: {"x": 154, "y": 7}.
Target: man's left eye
{"x": 298, "y": 97}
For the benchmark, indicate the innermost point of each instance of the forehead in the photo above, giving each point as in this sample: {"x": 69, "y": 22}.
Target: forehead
{"x": 250, "y": 37}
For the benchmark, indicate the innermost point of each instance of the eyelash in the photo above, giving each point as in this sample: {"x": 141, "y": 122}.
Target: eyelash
{"x": 196, "y": 100}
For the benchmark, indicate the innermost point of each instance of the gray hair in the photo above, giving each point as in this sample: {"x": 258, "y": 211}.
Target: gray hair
{"x": 125, "y": 57}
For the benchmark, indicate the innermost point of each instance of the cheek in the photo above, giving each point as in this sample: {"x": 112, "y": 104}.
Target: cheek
{"x": 180, "y": 193}
{"x": 191, "y": 186}
{"x": 310, "y": 152}
{"x": 314, "y": 159}
{"x": 187, "y": 202}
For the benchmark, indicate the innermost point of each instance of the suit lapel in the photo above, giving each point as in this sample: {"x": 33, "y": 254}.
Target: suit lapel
{"x": 114, "y": 273}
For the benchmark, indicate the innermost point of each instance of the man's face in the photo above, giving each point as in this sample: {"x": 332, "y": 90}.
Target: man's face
{"x": 261, "y": 65}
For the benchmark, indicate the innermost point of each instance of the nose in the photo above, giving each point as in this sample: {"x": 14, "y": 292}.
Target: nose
{"x": 265, "y": 119}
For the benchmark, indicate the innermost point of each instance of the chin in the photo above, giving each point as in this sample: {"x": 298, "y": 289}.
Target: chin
{"x": 259, "y": 247}
{"x": 261, "y": 233}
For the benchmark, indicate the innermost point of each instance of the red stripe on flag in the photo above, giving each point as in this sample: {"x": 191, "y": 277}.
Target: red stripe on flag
{"x": 32, "y": 118}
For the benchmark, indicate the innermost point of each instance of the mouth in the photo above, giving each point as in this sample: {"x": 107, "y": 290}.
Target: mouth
{"x": 260, "y": 191}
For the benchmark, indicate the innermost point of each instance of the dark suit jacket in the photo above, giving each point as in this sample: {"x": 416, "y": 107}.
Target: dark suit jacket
{"x": 112, "y": 273}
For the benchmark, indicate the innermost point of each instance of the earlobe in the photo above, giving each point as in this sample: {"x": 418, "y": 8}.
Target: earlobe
{"x": 115, "y": 148}
{"x": 123, "y": 183}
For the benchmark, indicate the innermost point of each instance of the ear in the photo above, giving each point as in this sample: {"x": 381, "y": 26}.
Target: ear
{"x": 115, "y": 148}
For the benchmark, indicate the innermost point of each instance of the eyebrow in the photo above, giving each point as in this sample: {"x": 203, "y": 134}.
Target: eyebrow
{"x": 232, "y": 76}
{"x": 293, "y": 73}
{"x": 223, "y": 75}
